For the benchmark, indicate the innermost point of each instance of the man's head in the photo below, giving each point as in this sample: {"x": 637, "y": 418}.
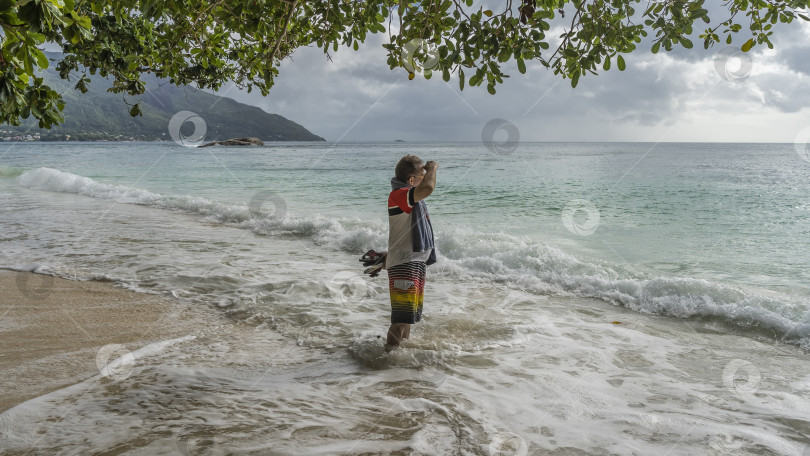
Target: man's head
{"x": 410, "y": 170}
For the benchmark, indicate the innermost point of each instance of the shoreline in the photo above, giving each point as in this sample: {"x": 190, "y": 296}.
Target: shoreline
{"x": 52, "y": 330}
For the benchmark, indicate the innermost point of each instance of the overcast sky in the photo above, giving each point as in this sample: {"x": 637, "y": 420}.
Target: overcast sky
{"x": 676, "y": 96}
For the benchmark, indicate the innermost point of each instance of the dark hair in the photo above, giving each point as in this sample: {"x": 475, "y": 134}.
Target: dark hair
{"x": 408, "y": 166}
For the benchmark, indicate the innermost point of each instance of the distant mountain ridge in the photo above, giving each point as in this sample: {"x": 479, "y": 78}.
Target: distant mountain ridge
{"x": 99, "y": 114}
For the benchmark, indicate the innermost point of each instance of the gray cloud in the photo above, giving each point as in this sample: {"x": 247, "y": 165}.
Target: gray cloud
{"x": 357, "y": 97}
{"x": 797, "y": 58}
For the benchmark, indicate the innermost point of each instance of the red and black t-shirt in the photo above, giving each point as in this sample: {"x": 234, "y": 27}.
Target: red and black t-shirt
{"x": 400, "y": 207}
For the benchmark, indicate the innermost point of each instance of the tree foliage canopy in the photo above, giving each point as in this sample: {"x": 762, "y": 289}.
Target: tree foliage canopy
{"x": 211, "y": 42}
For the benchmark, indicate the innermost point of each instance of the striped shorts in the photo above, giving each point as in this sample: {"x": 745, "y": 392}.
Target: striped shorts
{"x": 406, "y": 283}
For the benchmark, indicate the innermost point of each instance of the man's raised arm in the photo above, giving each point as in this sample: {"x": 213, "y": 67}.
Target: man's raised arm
{"x": 425, "y": 188}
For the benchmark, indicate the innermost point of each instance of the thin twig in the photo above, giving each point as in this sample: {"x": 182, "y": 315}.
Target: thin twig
{"x": 460, "y": 9}
{"x": 283, "y": 32}
{"x": 569, "y": 33}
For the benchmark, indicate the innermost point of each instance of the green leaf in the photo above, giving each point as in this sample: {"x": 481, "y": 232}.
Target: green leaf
{"x": 71, "y": 36}
{"x": 748, "y": 45}
{"x": 84, "y": 22}
{"x": 521, "y": 66}
{"x": 698, "y": 13}
{"x": 491, "y": 89}
{"x": 620, "y": 62}
{"x": 460, "y": 79}
{"x": 38, "y": 37}
{"x": 29, "y": 66}
{"x": 42, "y": 61}
{"x": 656, "y": 47}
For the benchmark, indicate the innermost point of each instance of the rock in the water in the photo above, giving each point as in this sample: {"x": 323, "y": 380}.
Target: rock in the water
{"x": 237, "y": 142}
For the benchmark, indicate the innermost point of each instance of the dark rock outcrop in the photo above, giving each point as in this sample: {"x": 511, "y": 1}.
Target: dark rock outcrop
{"x": 237, "y": 142}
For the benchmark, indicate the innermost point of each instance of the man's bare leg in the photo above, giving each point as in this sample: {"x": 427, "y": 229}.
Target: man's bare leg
{"x": 396, "y": 333}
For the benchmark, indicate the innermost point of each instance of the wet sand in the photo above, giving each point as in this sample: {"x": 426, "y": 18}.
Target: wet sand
{"x": 52, "y": 329}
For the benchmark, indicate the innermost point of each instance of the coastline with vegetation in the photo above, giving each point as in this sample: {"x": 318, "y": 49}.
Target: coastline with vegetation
{"x": 100, "y": 115}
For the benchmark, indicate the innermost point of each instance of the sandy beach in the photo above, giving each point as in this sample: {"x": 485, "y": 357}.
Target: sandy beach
{"x": 52, "y": 329}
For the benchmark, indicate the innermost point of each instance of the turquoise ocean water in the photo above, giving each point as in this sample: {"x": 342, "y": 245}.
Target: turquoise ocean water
{"x": 541, "y": 248}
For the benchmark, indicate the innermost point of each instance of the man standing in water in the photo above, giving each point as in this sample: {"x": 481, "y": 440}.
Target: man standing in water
{"x": 410, "y": 244}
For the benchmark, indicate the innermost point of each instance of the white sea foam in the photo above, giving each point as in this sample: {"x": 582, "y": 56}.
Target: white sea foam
{"x": 59, "y": 181}
{"x": 36, "y": 268}
{"x": 494, "y": 257}
{"x": 7, "y": 418}
{"x": 542, "y": 269}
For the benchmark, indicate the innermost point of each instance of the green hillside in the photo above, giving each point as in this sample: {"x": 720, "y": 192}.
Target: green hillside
{"x": 99, "y": 114}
